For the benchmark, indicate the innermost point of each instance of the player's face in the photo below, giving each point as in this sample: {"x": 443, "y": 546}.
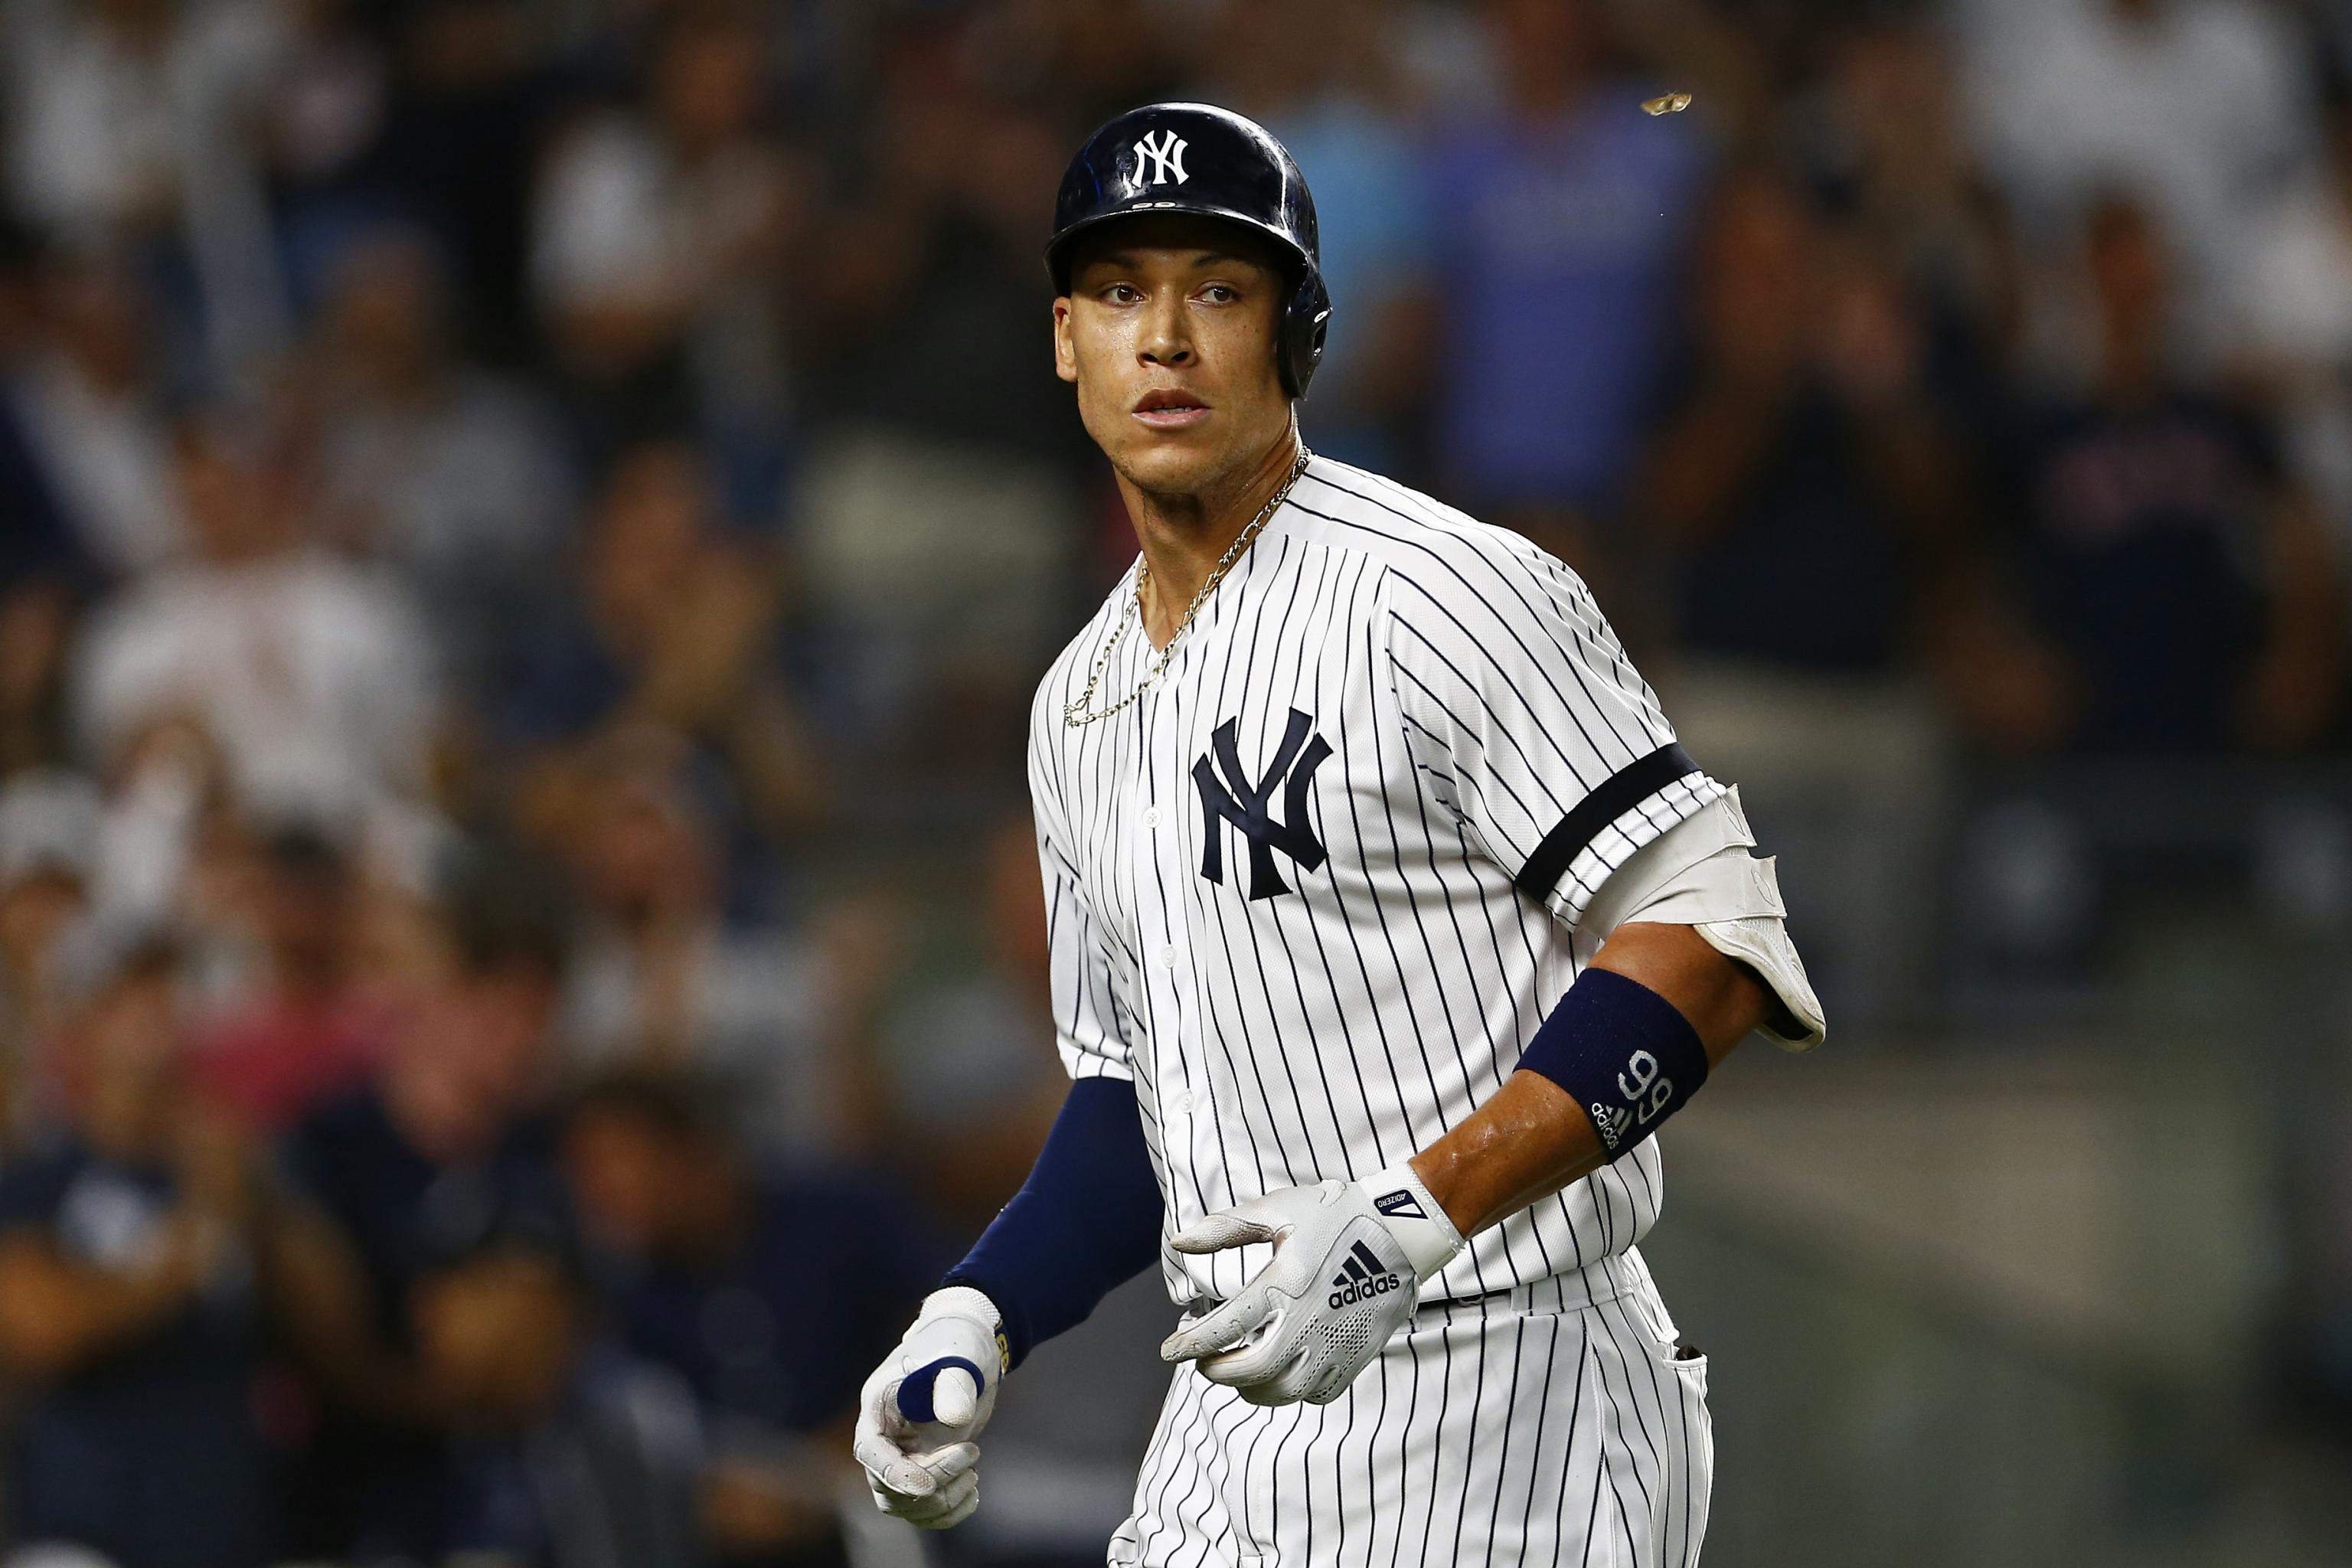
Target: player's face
{"x": 1168, "y": 332}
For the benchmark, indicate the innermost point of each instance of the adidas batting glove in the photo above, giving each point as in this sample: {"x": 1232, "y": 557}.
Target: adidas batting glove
{"x": 1349, "y": 1258}
{"x": 924, "y": 1405}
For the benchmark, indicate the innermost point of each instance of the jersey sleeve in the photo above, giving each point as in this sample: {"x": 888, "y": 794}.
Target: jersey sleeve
{"x": 1085, "y": 1007}
{"x": 1086, "y": 1012}
{"x": 1527, "y": 721}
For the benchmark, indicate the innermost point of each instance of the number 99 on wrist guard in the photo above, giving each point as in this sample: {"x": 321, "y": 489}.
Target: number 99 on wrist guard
{"x": 1625, "y": 1053}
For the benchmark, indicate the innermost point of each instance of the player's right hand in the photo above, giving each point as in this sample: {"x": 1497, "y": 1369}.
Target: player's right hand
{"x": 924, "y": 1405}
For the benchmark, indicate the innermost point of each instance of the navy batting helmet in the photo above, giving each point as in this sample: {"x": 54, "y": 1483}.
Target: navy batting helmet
{"x": 1198, "y": 158}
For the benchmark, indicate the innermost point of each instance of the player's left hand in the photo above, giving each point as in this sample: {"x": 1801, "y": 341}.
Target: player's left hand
{"x": 1343, "y": 1280}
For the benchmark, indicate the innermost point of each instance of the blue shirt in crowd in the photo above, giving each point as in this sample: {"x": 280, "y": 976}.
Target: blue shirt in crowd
{"x": 362, "y": 1481}
{"x": 402, "y": 1210}
{"x": 1561, "y": 246}
{"x": 1812, "y": 567}
{"x": 778, "y": 1334}
{"x": 150, "y": 1454}
{"x": 1369, "y": 208}
{"x": 2145, "y": 529}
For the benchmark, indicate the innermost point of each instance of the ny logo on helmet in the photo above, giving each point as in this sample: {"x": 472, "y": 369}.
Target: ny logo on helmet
{"x": 1166, "y": 157}
{"x": 1237, "y": 799}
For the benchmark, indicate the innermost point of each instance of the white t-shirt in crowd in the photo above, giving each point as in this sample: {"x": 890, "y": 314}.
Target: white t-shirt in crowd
{"x": 313, "y": 674}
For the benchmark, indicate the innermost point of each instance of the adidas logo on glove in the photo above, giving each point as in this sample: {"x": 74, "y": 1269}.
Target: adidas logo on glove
{"x": 1362, "y": 1278}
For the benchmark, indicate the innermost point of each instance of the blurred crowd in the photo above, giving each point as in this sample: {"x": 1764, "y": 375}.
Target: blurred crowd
{"x": 527, "y": 529}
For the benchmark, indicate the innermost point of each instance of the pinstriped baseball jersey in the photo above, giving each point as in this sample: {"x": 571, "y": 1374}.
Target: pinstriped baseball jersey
{"x": 1316, "y": 889}
{"x": 1535, "y": 1426}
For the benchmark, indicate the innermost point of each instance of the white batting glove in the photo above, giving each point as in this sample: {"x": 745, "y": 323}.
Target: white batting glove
{"x": 1348, "y": 1262}
{"x": 921, "y": 1408}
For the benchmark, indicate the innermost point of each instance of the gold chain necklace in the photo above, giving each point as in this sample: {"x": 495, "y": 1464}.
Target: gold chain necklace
{"x": 1075, "y": 714}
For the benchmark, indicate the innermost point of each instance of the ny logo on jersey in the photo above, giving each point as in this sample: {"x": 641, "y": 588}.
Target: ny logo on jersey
{"x": 1166, "y": 157}
{"x": 1237, "y": 801}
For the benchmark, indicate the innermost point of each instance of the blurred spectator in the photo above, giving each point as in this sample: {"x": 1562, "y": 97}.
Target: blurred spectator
{"x": 1317, "y": 74}
{"x": 128, "y": 1302}
{"x": 1803, "y": 463}
{"x": 37, "y": 621}
{"x": 974, "y": 1083}
{"x": 450, "y": 1128}
{"x": 672, "y": 626}
{"x": 474, "y": 91}
{"x": 1558, "y": 221}
{"x": 1097, "y": 57}
{"x": 938, "y": 508}
{"x": 661, "y": 979}
{"x": 451, "y": 474}
{"x": 92, "y": 418}
{"x": 112, "y": 100}
{"x": 2294, "y": 318}
{"x": 42, "y": 557}
{"x": 451, "y": 1114}
{"x": 2194, "y": 107}
{"x": 1883, "y": 142}
{"x": 564, "y": 1453}
{"x": 2188, "y": 595}
{"x": 171, "y": 849}
{"x": 301, "y": 1035}
{"x": 708, "y": 1255}
{"x": 314, "y": 676}
{"x": 658, "y": 235}
{"x": 48, "y": 843}
{"x": 322, "y": 114}
{"x": 38, "y": 538}
{"x": 132, "y": 129}
{"x": 1806, "y": 489}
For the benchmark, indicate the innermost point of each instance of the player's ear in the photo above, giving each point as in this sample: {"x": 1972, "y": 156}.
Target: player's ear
{"x": 1066, "y": 358}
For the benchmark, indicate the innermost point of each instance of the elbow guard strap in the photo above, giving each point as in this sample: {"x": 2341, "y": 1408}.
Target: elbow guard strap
{"x": 1626, "y": 1053}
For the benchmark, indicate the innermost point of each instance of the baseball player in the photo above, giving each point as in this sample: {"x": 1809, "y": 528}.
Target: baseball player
{"x": 1389, "y": 924}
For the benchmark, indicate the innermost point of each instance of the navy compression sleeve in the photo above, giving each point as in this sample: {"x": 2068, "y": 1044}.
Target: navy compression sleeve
{"x": 1085, "y": 1222}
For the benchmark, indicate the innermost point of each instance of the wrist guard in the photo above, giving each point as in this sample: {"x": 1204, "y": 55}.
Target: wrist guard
{"x": 1626, "y": 1053}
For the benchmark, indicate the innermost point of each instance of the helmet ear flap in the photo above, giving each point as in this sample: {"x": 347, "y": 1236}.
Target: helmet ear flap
{"x": 1305, "y": 320}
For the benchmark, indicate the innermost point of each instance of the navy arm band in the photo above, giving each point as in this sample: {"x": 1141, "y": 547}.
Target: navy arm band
{"x": 1624, "y": 1052}
{"x": 1617, "y": 794}
{"x": 1086, "y": 1221}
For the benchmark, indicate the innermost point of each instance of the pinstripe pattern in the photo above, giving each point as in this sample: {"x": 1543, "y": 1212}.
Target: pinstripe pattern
{"x": 1512, "y": 1431}
{"x": 1471, "y": 696}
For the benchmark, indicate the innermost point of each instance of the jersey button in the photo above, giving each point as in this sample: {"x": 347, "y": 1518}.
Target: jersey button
{"x": 1167, "y": 956}
{"x": 1151, "y": 816}
{"x": 1181, "y": 1102}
